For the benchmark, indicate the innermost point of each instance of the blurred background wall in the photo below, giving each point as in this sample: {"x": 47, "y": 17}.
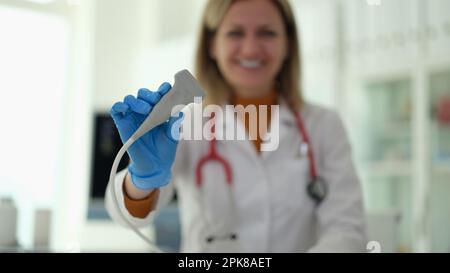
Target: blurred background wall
{"x": 383, "y": 64}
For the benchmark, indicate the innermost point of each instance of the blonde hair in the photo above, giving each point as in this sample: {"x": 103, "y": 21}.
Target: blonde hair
{"x": 209, "y": 75}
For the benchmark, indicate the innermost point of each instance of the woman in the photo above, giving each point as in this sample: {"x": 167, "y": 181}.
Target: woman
{"x": 247, "y": 55}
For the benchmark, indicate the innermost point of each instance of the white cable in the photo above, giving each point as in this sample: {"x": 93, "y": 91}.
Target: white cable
{"x": 183, "y": 92}
{"x": 112, "y": 177}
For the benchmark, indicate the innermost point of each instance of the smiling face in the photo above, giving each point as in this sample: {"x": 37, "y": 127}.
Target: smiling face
{"x": 250, "y": 46}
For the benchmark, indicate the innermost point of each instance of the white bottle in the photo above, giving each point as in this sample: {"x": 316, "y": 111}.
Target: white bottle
{"x": 8, "y": 223}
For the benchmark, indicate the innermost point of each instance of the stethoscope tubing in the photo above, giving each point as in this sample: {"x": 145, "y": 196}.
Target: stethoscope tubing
{"x": 213, "y": 155}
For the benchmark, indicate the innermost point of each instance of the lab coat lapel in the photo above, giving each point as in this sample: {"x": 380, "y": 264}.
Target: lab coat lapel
{"x": 245, "y": 145}
{"x": 286, "y": 123}
{"x": 230, "y": 120}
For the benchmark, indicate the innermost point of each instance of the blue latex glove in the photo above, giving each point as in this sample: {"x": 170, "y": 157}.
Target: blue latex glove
{"x": 153, "y": 154}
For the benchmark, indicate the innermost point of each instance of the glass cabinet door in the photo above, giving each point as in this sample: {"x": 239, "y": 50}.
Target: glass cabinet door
{"x": 384, "y": 154}
{"x": 439, "y": 123}
{"x": 389, "y": 124}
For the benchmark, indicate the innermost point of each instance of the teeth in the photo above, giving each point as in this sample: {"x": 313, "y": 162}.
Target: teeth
{"x": 250, "y": 63}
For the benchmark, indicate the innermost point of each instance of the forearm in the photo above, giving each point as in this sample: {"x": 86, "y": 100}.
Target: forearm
{"x": 133, "y": 192}
{"x": 139, "y": 203}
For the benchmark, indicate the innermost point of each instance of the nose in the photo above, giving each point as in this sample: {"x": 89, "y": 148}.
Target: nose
{"x": 250, "y": 46}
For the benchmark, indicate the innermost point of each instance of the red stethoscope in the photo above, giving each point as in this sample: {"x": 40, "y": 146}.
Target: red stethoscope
{"x": 316, "y": 188}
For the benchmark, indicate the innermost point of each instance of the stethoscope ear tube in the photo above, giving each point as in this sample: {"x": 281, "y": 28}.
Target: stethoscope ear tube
{"x": 213, "y": 156}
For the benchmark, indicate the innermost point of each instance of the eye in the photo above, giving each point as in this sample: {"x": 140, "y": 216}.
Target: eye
{"x": 235, "y": 34}
{"x": 267, "y": 33}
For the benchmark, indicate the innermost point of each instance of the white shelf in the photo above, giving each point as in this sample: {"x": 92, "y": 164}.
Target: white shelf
{"x": 397, "y": 168}
{"x": 441, "y": 170}
{"x": 387, "y": 168}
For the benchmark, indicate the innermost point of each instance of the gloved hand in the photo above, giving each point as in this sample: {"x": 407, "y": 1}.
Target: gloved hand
{"x": 153, "y": 154}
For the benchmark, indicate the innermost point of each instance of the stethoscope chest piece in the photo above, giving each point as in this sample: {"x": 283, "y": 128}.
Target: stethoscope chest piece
{"x": 317, "y": 190}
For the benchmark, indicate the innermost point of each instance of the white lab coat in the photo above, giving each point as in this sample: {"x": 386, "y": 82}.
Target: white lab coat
{"x": 273, "y": 212}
